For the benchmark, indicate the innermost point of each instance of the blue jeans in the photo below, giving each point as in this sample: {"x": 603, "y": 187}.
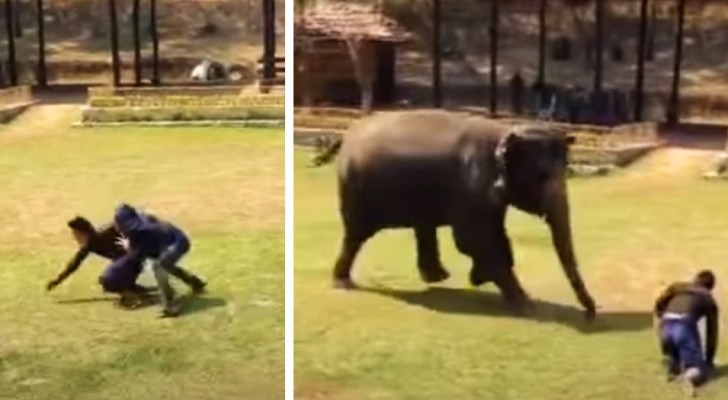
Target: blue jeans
{"x": 167, "y": 264}
{"x": 121, "y": 275}
{"x": 680, "y": 342}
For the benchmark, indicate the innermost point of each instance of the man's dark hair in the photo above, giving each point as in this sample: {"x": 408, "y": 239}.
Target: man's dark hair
{"x": 81, "y": 224}
{"x": 706, "y": 279}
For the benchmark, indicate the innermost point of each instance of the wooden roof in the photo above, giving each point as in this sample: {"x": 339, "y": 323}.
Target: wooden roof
{"x": 343, "y": 20}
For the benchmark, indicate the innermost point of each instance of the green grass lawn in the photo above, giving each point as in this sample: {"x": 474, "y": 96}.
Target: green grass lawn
{"x": 225, "y": 187}
{"x": 635, "y": 232}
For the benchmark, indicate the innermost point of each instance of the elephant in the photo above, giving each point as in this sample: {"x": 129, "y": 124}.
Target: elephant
{"x": 426, "y": 169}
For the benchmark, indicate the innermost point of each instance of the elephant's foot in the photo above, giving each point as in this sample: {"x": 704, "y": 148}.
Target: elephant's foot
{"x": 479, "y": 277}
{"x": 519, "y": 303}
{"x": 435, "y": 274}
{"x": 344, "y": 283}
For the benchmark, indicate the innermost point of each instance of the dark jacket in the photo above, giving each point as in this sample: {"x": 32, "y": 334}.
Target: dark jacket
{"x": 148, "y": 235}
{"x": 102, "y": 243}
{"x": 693, "y": 302}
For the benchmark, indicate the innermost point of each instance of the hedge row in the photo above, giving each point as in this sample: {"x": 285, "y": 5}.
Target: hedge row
{"x": 186, "y": 101}
{"x": 107, "y": 91}
{"x": 161, "y": 114}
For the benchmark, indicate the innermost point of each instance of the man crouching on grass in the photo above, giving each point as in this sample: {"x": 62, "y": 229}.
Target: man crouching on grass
{"x": 120, "y": 276}
{"x": 679, "y": 308}
{"x": 165, "y": 244}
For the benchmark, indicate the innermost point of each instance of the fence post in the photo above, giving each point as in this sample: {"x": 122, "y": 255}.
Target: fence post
{"x": 436, "y": 54}
{"x": 641, "y": 47}
{"x": 115, "y": 62}
{"x": 9, "y": 25}
{"x": 137, "y": 44}
{"x": 673, "y": 112}
{"x": 155, "y": 42}
{"x": 42, "y": 77}
{"x": 494, "y": 20}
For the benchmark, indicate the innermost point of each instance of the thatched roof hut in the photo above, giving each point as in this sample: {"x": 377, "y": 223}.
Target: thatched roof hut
{"x": 325, "y": 71}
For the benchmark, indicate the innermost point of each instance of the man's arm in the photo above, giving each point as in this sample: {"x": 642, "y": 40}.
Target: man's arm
{"x": 664, "y": 298}
{"x": 71, "y": 267}
{"x": 711, "y": 334}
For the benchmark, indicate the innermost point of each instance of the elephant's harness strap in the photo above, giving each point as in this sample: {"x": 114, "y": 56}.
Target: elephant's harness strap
{"x": 500, "y": 163}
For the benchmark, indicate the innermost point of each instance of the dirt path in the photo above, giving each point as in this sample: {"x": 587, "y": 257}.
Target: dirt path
{"x": 674, "y": 162}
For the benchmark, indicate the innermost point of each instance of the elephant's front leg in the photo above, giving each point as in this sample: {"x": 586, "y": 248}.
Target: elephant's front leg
{"x": 504, "y": 275}
{"x": 428, "y": 255}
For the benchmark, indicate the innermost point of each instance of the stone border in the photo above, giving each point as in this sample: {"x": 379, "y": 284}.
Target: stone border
{"x": 10, "y": 112}
{"x": 225, "y": 123}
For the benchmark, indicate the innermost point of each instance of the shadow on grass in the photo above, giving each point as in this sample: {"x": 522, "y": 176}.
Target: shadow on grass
{"x": 193, "y": 304}
{"x": 146, "y": 301}
{"x": 190, "y": 304}
{"x": 719, "y": 372}
{"x": 477, "y": 303}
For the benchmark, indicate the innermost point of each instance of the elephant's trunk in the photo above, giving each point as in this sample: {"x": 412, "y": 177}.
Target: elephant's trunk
{"x": 558, "y": 219}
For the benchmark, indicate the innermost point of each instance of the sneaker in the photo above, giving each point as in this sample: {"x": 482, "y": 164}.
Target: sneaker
{"x": 689, "y": 382}
{"x": 672, "y": 369}
{"x": 171, "y": 311}
{"x": 199, "y": 288}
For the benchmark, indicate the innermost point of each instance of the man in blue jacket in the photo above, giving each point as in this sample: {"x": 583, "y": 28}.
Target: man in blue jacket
{"x": 152, "y": 238}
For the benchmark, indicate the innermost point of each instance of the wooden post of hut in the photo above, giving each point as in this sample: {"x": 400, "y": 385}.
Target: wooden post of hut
{"x": 137, "y": 43}
{"x": 673, "y": 112}
{"x": 436, "y": 54}
{"x": 115, "y": 61}
{"x": 641, "y": 54}
{"x": 268, "y": 47}
{"x": 155, "y": 42}
{"x": 9, "y": 25}
{"x": 494, "y": 17}
{"x": 42, "y": 76}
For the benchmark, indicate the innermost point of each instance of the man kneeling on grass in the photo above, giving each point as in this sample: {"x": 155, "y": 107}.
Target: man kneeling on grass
{"x": 120, "y": 276}
{"x": 679, "y": 308}
{"x": 152, "y": 238}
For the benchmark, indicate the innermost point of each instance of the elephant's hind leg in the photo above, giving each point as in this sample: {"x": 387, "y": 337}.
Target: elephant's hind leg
{"x": 353, "y": 241}
{"x": 428, "y": 255}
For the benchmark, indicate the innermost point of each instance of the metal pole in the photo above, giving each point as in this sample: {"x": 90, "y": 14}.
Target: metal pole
{"x": 673, "y": 114}
{"x": 640, "y": 79}
{"x": 494, "y": 17}
{"x": 436, "y": 54}
{"x": 9, "y": 25}
{"x": 115, "y": 62}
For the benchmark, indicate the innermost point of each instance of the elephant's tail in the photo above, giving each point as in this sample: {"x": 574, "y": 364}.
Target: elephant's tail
{"x": 327, "y": 151}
